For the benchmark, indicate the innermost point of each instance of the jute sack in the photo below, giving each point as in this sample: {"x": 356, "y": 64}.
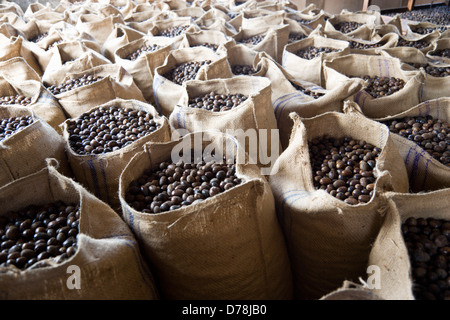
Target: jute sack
{"x": 440, "y": 44}
{"x": 13, "y": 47}
{"x": 241, "y": 54}
{"x": 11, "y": 7}
{"x": 125, "y": 7}
{"x": 99, "y": 27}
{"x": 201, "y": 251}
{"x": 8, "y": 30}
{"x": 207, "y": 37}
{"x": 18, "y": 78}
{"x": 108, "y": 257}
{"x": 143, "y": 68}
{"x": 72, "y": 56}
{"x": 193, "y": 12}
{"x": 394, "y": 25}
{"x": 162, "y": 25}
{"x": 425, "y": 172}
{"x": 287, "y": 96}
{"x": 58, "y": 33}
{"x": 116, "y": 83}
{"x": 385, "y": 42}
{"x": 120, "y": 36}
{"x": 308, "y": 21}
{"x": 260, "y": 17}
{"x": 364, "y": 32}
{"x": 255, "y": 114}
{"x": 210, "y": 22}
{"x": 328, "y": 240}
{"x": 13, "y": 19}
{"x": 99, "y": 173}
{"x": 296, "y": 30}
{"x": 275, "y": 38}
{"x": 144, "y": 21}
{"x": 413, "y": 29}
{"x": 359, "y": 65}
{"x": 430, "y": 39}
{"x": 389, "y": 251}
{"x": 311, "y": 70}
{"x": 167, "y": 93}
{"x": 413, "y": 59}
{"x": 25, "y": 151}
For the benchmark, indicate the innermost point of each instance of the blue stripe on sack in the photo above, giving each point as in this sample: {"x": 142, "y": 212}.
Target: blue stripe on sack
{"x": 94, "y": 178}
{"x": 297, "y": 195}
{"x": 415, "y": 165}
{"x": 425, "y": 174}
{"x": 157, "y": 82}
{"x": 102, "y": 170}
{"x": 284, "y": 102}
{"x": 276, "y": 103}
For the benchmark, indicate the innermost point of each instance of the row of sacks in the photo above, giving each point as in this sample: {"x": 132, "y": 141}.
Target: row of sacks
{"x": 272, "y": 95}
{"x": 267, "y": 238}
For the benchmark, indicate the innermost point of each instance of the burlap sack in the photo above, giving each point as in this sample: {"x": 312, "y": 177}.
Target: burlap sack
{"x": 116, "y": 83}
{"x": 255, "y": 115}
{"x": 13, "y": 47}
{"x": 71, "y": 56}
{"x": 385, "y": 42}
{"x": 428, "y": 38}
{"x": 193, "y": 12}
{"x": 202, "y": 251}
{"x": 36, "y": 8}
{"x": 275, "y": 38}
{"x": 363, "y": 32}
{"x": 241, "y": 54}
{"x": 99, "y": 27}
{"x": 167, "y": 93}
{"x": 307, "y": 21}
{"x": 425, "y": 173}
{"x": 143, "y": 68}
{"x": 394, "y": 25}
{"x": 311, "y": 70}
{"x": 328, "y": 240}
{"x": 17, "y": 77}
{"x": 160, "y": 26}
{"x": 412, "y": 29}
{"x": 351, "y": 291}
{"x": 413, "y": 59}
{"x": 11, "y": 7}
{"x": 108, "y": 257}
{"x": 145, "y": 21}
{"x": 175, "y": 4}
{"x": 296, "y": 30}
{"x": 286, "y": 98}
{"x": 260, "y": 17}
{"x": 99, "y": 173}
{"x": 9, "y": 31}
{"x": 25, "y": 151}
{"x": 193, "y": 39}
{"x": 58, "y": 33}
{"x": 120, "y": 36}
{"x": 358, "y": 65}
{"x": 440, "y": 44}
{"x": 214, "y": 20}
{"x": 13, "y": 19}
{"x": 389, "y": 251}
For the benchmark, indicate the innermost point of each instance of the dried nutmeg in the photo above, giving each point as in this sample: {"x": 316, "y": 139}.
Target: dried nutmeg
{"x": 428, "y": 244}
{"x": 17, "y": 99}
{"x": 36, "y": 233}
{"x": 431, "y": 134}
{"x": 312, "y": 52}
{"x": 147, "y": 48}
{"x": 12, "y": 125}
{"x": 173, "y": 31}
{"x": 344, "y": 167}
{"x": 382, "y": 86}
{"x": 217, "y": 102}
{"x": 185, "y": 71}
{"x": 108, "y": 129}
{"x": 71, "y": 84}
{"x": 346, "y": 27}
{"x": 254, "y": 40}
{"x": 171, "y": 186}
